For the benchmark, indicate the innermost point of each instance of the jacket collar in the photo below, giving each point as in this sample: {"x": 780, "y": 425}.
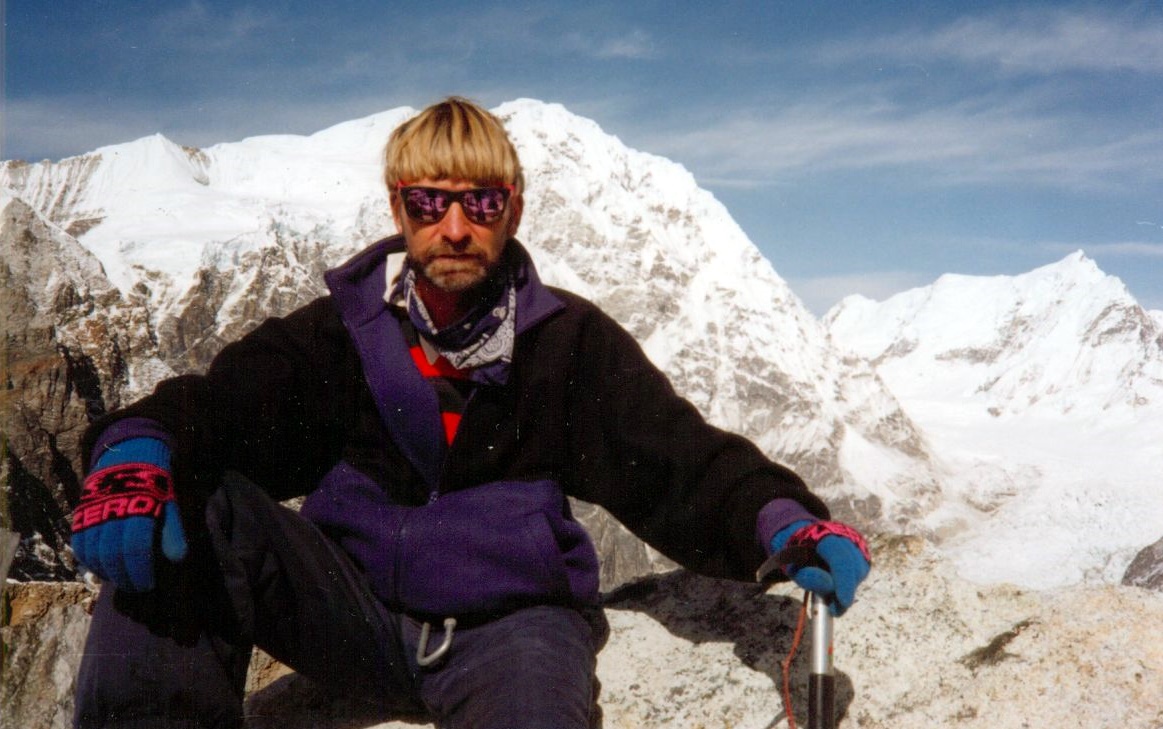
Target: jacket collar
{"x": 359, "y": 285}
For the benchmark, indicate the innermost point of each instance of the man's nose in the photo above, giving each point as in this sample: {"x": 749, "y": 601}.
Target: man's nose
{"x": 454, "y": 226}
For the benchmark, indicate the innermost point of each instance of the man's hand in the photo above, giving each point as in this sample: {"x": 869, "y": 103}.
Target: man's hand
{"x": 838, "y": 562}
{"x": 123, "y": 501}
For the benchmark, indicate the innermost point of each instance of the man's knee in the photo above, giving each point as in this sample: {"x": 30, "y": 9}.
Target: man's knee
{"x": 238, "y": 505}
{"x": 530, "y": 667}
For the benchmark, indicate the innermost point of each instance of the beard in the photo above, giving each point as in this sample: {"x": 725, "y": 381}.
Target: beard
{"x": 456, "y": 272}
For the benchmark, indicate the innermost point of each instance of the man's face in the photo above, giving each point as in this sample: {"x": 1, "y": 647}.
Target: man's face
{"x": 454, "y": 254}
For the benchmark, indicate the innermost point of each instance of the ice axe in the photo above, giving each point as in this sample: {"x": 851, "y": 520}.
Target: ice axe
{"x": 821, "y": 672}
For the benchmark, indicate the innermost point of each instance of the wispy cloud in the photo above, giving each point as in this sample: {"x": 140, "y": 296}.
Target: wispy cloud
{"x": 596, "y": 44}
{"x": 181, "y": 31}
{"x": 992, "y": 139}
{"x": 635, "y": 45}
{"x": 196, "y": 26}
{"x": 1042, "y": 41}
{"x": 979, "y": 126}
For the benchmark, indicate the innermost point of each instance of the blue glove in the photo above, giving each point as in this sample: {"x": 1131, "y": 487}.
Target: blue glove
{"x": 840, "y": 560}
{"x": 123, "y": 500}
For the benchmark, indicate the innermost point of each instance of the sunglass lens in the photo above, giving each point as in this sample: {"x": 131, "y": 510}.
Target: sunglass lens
{"x": 485, "y": 204}
{"x": 425, "y": 205}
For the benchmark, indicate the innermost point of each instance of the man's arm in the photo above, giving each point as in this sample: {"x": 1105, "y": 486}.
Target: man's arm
{"x": 693, "y": 491}
{"x": 269, "y": 406}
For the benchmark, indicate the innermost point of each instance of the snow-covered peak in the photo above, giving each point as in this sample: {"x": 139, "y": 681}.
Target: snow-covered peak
{"x": 144, "y": 164}
{"x": 1008, "y": 342}
{"x": 636, "y": 233}
{"x": 153, "y": 206}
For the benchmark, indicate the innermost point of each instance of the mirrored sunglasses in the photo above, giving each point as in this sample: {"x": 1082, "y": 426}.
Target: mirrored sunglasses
{"x": 481, "y": 205}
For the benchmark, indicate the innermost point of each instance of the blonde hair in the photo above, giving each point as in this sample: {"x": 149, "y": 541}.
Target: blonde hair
{"x": 453, "y": 139}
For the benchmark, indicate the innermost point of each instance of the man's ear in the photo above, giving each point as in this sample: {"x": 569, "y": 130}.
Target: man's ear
{"x": 394, "y": 204}
{"x": 516, "y": 206}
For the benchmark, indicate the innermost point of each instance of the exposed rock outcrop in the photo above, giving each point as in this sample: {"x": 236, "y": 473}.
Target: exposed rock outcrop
{"x": 1146, "y": 569}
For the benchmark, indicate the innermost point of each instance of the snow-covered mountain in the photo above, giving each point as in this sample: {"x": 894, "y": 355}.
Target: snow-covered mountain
{"x": 198, "y": 245}
{"x": 1044, "y": 391}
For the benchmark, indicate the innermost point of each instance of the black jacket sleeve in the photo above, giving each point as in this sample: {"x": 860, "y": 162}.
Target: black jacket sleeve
{"x": 268, "y": 406}
{"x": 691, "y": 490}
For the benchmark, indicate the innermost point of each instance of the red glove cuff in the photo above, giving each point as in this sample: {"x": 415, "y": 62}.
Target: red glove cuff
{"x": 811, "y": 535}
{"x": 122, "y": 491}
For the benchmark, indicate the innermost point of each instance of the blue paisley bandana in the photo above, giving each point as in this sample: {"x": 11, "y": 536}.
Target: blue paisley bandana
{"x": 483, "y": 338}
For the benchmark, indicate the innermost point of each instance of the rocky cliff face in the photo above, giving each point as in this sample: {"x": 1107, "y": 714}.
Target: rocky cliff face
{"x": 42, "y": 637}
{"x": 64, "y": 362}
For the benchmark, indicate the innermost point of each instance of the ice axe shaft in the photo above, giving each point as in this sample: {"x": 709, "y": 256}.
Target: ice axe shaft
{"x": 821, "y": 674}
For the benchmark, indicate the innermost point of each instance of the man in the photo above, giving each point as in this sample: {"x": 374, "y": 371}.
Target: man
{"x": 435, "y": 412}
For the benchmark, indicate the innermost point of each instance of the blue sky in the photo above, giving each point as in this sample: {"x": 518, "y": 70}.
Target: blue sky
{"x": 864, "y": 146}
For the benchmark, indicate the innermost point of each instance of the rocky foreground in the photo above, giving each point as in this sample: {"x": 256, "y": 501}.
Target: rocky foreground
{"x": 922, "y": 648}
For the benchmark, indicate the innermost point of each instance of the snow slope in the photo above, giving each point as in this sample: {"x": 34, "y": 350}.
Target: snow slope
{"x": 1044, "y": 392}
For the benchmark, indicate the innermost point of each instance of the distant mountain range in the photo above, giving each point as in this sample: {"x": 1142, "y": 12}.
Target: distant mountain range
{"x": 1015, "y": 421}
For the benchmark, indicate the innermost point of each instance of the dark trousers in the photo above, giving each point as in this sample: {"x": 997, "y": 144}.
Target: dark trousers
{"x": 177, "y": 656}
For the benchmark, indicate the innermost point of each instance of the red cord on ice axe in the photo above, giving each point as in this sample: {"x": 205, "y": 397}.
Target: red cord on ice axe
{"x": 821, "y": 676}
{"x": 785, "y": 664}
